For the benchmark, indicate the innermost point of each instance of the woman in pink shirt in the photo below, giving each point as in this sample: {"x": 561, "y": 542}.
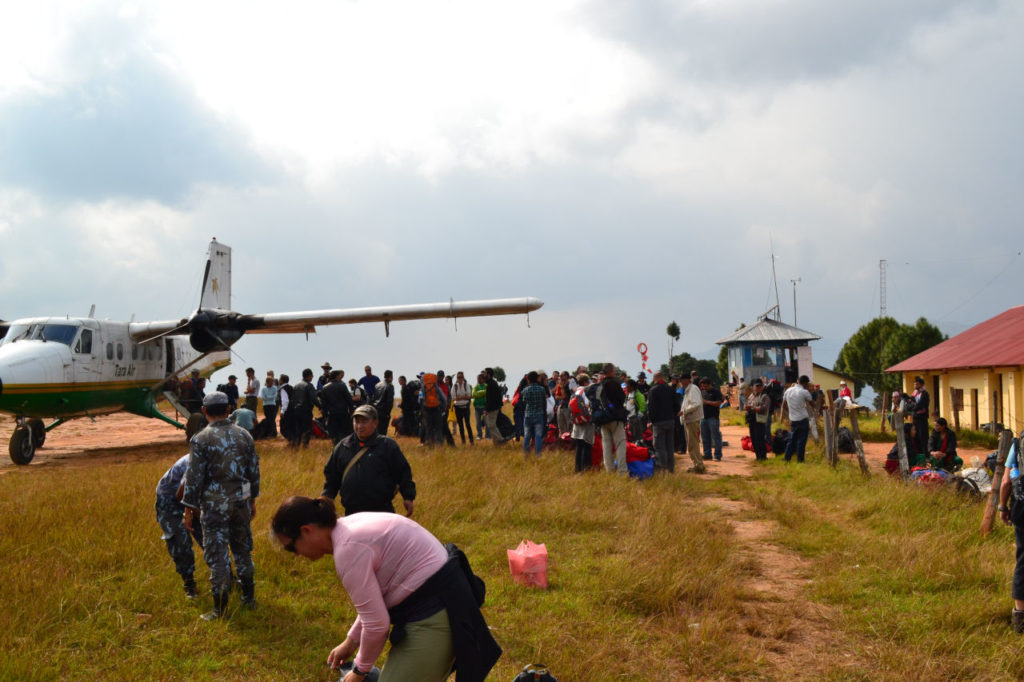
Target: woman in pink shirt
{"x": 383, "y": 560}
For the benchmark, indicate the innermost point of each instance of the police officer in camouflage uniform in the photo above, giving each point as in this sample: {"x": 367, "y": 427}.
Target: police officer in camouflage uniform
{"x": 169, "y": 511}
{"x": 223, "y": 482}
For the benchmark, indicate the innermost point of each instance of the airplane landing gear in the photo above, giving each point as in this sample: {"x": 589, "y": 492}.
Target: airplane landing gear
{"x": 22, "y": 448}
{"x": 38, "y": 432}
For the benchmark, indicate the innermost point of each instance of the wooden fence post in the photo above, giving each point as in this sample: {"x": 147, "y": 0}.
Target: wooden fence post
{"x": 855, "y": 429}
{"x": 1005, "y": 438}
{"x": 839, "y": 406}
{"x": 885, "y": 408}
{"x": 827, "y": 435}
{"x": 901, "y": 439}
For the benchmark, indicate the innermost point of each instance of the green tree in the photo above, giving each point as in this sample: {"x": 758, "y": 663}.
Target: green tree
{"x": 674, "y": 333}
{"x": 684, "y": 363}
{"x": 499, "y": 373}
{"x": 907, "y": 341}
{"x": 882, "y": 343}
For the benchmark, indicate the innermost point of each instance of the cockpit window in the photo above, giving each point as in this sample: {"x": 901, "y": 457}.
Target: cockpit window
{"x": 17, "y": 332}
{"x": 84, "y": 343}
{"x": 59, "y": 333}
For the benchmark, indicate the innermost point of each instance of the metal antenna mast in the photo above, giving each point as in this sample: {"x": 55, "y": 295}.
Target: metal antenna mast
{"x": 881, "y": 287}
{"x": 775, "y": 281}
{"x": 794, "y": 281}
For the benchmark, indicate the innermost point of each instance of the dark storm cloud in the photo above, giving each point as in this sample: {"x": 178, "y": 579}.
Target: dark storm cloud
{"x": 128, "y": 129}
{"x": 770, "y": 41}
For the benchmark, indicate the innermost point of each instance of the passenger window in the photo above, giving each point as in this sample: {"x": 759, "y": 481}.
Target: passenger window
{"x": 120, "y": 352}
{"x": 135, "y": 352}
{"x": 110, "y": 351}
{"x": 86, "y": 341}
{"x": 159, "y": 352}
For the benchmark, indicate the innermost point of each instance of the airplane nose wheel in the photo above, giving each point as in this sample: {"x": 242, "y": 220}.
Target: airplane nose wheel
{"x": 22, "y": 449}
{"x": 38, "y": 432}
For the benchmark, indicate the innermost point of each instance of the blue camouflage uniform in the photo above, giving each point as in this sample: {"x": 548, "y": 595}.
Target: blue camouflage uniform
{"x": 223, "y": 476}
{"x": 168, "y": 515}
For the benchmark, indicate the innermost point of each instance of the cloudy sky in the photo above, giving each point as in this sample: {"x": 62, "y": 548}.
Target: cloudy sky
{"x": 629, "y": 163}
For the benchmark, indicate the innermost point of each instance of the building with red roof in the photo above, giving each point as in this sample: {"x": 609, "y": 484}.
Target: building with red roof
{"x": 976, "y": 377}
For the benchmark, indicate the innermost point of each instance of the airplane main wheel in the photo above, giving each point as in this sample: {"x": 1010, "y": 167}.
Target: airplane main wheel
{"x": 22, "y": 450}
{"x": 38, "y": 432}
{"x": 196, "y": 423}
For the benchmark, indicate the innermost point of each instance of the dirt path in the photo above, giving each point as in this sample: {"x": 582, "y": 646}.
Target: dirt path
{"x": 118, "y": 437}
{"x": 790, "y": 632}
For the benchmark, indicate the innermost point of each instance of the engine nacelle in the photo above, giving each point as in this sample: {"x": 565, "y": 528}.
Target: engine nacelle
{"x": 212, "y": 331}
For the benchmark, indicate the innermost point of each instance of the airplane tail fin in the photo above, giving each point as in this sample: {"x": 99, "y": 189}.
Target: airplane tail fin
{"x": 217, "y": 282}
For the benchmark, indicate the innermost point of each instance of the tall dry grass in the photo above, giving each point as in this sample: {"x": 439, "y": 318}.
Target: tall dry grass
{"x": 647, "y": 581}
{"x": 89, "y": 590}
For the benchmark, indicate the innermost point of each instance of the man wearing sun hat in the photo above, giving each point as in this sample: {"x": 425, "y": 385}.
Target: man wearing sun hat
{"x": 325, "y": 378}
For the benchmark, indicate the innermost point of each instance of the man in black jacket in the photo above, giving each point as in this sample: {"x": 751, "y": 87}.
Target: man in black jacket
{"x": 922, "y": 404}
{"x": 492, "y": 407}
{"x": 409, "y": 406}
{"x": 384, "y": 400}
{"x": 337, "y": 406}
{"x": 661, "y": 408}
{"x": 367, "y": 468}
{"x": 303, "y": 401}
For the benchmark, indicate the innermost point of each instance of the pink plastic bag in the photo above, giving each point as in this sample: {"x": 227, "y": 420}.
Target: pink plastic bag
{"x": 528, "y": 564}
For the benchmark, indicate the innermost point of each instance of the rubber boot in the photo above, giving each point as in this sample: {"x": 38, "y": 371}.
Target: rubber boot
{"x": 191, "y": 592}
{"x": 248, "y": 594}
{"x": 1018, "y": 621}
{"x": 220, "y": 605}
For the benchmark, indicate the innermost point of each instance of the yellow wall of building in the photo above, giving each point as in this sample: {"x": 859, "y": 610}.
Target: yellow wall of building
{"x": 827, "y": 379}
{"x": 981, "y": 407}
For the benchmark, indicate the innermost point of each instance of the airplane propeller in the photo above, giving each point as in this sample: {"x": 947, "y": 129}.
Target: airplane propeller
{"x": 203, "y": 325}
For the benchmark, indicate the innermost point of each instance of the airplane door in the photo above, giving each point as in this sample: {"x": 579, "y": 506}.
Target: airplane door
{"x": 169, "y": 355}
{"x": 86, "y": 360}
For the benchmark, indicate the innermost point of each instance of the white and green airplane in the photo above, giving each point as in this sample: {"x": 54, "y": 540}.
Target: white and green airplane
{"x": 65, "y": 367}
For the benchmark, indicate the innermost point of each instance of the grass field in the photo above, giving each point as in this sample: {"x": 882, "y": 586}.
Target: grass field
{"x": 649, "y": 580}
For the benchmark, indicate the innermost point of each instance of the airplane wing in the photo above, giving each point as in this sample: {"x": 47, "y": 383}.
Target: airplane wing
{"x": 280, "y": 323}
{"x": 230, "y": 325}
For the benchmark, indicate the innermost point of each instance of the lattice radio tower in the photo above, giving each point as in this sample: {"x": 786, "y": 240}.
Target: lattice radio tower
{"x": 881, "y": 287}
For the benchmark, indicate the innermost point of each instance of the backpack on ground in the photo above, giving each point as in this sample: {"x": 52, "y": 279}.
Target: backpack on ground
{"x": 265, "y": 428}
{"x": 845, "y": 441}
{"x": 430, "y": 391}
{"x": 505, "y": 426}
{"x": 579, "y": 407}
{"x": 780, "y": 440}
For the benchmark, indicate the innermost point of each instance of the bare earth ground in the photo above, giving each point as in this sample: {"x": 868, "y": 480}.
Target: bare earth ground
{"x": 120, "y": 437}
{"x": 791, "y": 632}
